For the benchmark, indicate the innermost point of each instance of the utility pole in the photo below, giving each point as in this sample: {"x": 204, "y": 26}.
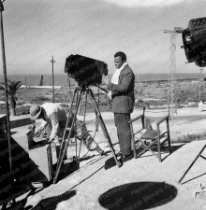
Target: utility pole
{"x": 5, "y": 83}
{"x": 52, "y": 62}
{"x": 70, "y": 92}
{"x": 172, "y": 103}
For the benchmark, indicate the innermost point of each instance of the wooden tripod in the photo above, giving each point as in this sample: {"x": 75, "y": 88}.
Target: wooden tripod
{"x": 67, "y": 140}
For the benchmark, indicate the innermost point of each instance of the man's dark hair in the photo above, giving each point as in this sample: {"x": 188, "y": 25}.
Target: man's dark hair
{"x": 122, "y": 55}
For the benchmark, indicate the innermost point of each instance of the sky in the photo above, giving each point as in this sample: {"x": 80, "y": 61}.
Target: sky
{"x": 35, "y": 30}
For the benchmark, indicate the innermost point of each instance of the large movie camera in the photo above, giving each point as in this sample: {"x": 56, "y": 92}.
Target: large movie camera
{"x": 194, "y": 41}
{"x": 86, "y": 71}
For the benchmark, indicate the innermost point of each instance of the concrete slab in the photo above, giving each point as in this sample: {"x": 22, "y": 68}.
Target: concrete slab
{"x": 85, "y": 188}
{"x": 92, "y": 181}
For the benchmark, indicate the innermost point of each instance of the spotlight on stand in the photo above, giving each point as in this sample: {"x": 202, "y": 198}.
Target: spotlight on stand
{"x": 194, "y": 41}
{"x": 86, "y": 71}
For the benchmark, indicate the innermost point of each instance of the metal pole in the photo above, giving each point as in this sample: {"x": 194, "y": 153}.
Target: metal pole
{"x": 172, "y": 68}
{"x": 6, "y": 84}
{"x": 172, "y": 103}
{"x": 52, "y": 61}
{"x": 70, "y": 92}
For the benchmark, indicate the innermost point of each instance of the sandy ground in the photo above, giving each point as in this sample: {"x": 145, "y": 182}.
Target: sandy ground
{"x": 142, "y": 183}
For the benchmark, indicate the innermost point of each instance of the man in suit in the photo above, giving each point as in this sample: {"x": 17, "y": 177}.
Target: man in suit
{"x": 121, "y": 92}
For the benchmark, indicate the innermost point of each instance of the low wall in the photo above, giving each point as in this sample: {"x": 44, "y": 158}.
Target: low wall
{"x": 19, "y": 121}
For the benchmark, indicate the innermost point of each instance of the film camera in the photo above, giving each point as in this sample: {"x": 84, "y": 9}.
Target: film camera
{"x": 86, "y": 71}
{"x": 194, "y": 41}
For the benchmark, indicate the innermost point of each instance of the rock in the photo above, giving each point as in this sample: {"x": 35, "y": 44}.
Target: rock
{"x": 200, "y": 191}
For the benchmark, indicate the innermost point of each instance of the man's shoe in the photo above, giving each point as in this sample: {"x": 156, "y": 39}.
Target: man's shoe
{"x": 119, "y": 154}
{"x": 127, "y": 157}
{"x": 102, "y": 153}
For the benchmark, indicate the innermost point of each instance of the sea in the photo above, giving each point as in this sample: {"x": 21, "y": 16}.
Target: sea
{"x": 64, "y": 79}
{"x": 28, "y": 96}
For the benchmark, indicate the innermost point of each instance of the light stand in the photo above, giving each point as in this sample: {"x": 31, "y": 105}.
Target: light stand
{"x": 172, "y": 102}
{"x": 5, "y": 82}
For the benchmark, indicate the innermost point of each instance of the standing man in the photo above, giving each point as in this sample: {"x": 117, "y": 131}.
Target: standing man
{"x": 121, "y": 92}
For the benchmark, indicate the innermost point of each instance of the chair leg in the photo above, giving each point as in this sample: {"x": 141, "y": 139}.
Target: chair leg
{"x": 168, "y": 136}
{"x": 159, "y": 150}
{"x": 134, "y": 149}
{"x": 133, "y": 142}
{"x": 80, "y": 147}
{"x": 169, "y": 145}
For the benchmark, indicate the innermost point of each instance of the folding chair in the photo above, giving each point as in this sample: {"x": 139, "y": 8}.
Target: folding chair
{"x": 147, "y": 137}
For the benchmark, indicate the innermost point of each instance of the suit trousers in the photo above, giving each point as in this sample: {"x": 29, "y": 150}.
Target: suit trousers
{"x": 123, "y": 132}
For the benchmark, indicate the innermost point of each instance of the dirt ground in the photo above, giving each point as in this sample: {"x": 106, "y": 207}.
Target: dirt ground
{"x": 142, "y": 183}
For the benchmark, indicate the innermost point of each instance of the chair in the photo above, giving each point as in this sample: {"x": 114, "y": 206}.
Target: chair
{"x": 148, "y": 137}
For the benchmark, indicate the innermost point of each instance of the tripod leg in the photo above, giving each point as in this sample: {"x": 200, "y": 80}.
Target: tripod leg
{"x": 80, "y": 147}
{"x": 85, "y": 107}
{"x": 199, "y": 154}
{"x": 97, "y": 120}
{"x": 104, "y": 129}
{"x": 67, "y": 122}
{"x": 65, "y": 144}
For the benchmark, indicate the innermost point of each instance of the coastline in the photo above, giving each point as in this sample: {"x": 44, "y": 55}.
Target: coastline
{"x": 63, "y": 79}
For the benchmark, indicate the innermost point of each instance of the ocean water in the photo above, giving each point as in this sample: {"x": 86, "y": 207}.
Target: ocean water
{"x": 187, "y": 90}
{"x": 63, "y": 79}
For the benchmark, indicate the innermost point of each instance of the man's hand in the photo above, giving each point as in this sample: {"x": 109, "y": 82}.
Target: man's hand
{"x": 109, "y": 95}
{"x": 32, "y": 127}
{"x": 50, "y": 140}
{"x": 105, "y": 80}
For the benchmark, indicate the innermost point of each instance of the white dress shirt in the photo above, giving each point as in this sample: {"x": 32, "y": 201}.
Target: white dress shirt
{"x": 55, "y": 114}
{"x": 115, "y": 76}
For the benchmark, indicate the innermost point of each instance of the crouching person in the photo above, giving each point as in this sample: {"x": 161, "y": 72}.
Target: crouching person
{"x": 53, "y": 120}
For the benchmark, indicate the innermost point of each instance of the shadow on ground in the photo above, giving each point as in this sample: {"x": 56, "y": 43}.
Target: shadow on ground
{"x": 109, "y": 163}
{"x": 67, "y": 169}
{"x": 52, "y": 202}
{"x": 164, "y": 150}
{"x": 140, "y": 195}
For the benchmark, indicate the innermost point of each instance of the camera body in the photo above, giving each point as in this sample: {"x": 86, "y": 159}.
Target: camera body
{"x": 86, "y": 71}
{"x": 194, "y": 41}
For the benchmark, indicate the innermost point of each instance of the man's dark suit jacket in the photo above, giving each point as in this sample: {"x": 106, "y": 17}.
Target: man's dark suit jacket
{"x": 123, "y": 93}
